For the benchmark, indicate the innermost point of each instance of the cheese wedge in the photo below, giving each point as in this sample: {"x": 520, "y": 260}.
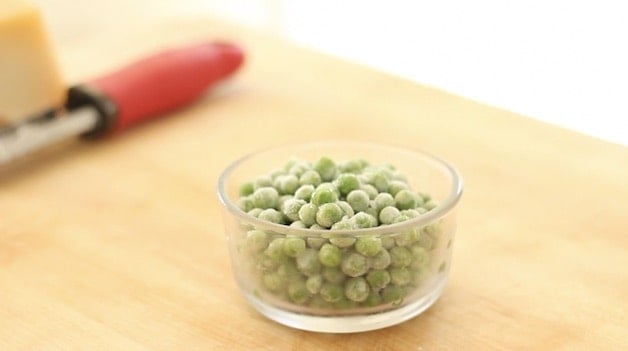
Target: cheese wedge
{"x": 30, "y": 81}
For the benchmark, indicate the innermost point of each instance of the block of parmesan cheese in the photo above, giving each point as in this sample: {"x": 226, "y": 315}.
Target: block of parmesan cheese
{"x": 30, "y": 81}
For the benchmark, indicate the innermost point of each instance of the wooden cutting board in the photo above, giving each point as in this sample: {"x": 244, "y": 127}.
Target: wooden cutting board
{"x": 119, "y": 245}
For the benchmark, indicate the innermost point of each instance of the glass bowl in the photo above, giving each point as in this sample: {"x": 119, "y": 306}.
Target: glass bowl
{"x": 276, "y": 287}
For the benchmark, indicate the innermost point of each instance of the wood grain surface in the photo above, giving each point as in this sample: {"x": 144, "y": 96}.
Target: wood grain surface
{"x": 118, "y": 244}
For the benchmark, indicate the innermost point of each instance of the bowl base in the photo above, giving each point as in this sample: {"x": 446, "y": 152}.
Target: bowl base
{"x": 349, "y": 324}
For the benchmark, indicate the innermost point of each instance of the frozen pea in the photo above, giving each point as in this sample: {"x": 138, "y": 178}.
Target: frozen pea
{"x": 256, "y": 240}
{"x": 255, "y": 212}
{"x": 363, "y": 220}
{"x": 315, "y": 226}
{"x": 347, "y": 182}
{"x": 354, "y": 265}
{"x": 328, "y": 214}
{"x": 317, "y": 302}
{"x": 346, "y": 208}
{"x": 297, "y": 291}
{"x": 304, "y": 192}
{"x": 262, "y": 182}
{"x": 246, "y": 189}
{"x": 308, "y": 263}
{"x": 393, "y": 294}
{"x": 323, "y": 196}
{"x": 266, "y": 264}
{"x": 379, "y": 180}
{"x": 315, "y": 242}
{"x": 351, "y": 166}
{"x": 298, "y": 169}
{"x": 407, "y": 237}
{"x": 418, "y": 276}
{"x": 282, "y": 199}
{"x": 378, "y": 278}
{"x": 271, "y": 215}
{"x": 276, "y": 173}
{"x": 411, "y": 213}
{"x": 291, "y": 208}
{"x": 326, "y": 168}
{"x": 358, "y": 199}
{"x": 246, "y": 203}
{"x": 426, "y": 241}
{"x": 380, "y": 261}
{"x": 388, "y": 215}
{"x": 400, "y": 256}
{"x": 298, "y": 224}
{"x": 430, "y": 205}
{"x": 388, "y": 242}
{"x": 370, "y": 190}
{"x": 310, "y": 177}
{"x": 373, "y": 211}
{"x": 400, "y": 276}
{"x": 405, "y": 199}
{"x": 344, "y": 304}
{"x": 397, "y": 175}
{"x": 368, "y": 245}
{"x": 433, "y": 230}
{"x": 331, "y": 292}
{"x": 265, "y": 197}
{"x": 383, "y": 200}
{"x": 330, "y": 255}
{"x": 307, "y": 214}
{"x": 420, "y": 256}
{"x": 286, "y": 184}
{"x": 342, "y": 242}
{"x": 275, "y": 250}
{"x": 274, "y": 282}
{"x": 289, "y": 270}
{"x": 373, "y": 299}
{"x": 343, "y": 224}
{"x": 314, "y": 283}
{"x": 357, "y": 289}
{"x": 293, "y": 246}
{"x": 395, "y": 186}
{"x": 333, "y": 275}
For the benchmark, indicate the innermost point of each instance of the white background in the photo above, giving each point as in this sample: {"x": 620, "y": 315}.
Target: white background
{"x": 563, "y": 62}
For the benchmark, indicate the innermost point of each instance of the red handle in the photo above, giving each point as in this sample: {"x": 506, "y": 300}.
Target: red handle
{"x": 166, "y": 81}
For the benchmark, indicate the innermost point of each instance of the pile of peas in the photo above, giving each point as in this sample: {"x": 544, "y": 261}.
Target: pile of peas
{"x": 328, "y": 271}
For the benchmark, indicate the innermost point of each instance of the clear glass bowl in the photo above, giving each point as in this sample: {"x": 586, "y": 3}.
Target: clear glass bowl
{"x": 428, "y": 237}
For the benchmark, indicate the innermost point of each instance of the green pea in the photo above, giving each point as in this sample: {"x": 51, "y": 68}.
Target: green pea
{"x": 331, "y": 292}
{"x": 405, "y": 199}
{"x": 271, "y": 215}
{"x": 359, "y": 200}
{"x": 388, "y": 242}
{"x": 274, "y": 282}
{"x": 343, "y": 224}
{"x": 275, "y": 250}
{"x": 379, "y": 180}
{"x": 373, "y": 212}
{"x": 256, "y": 240}
{"x": 298, "y": 224}
{"x": 368, "y": 245}
{"x": 308, "y": 263}
{"x": 310, "y": 177}
{"x": 289, "y": 270}
{"x": 255, "y": 212}
{"x": 407, "y": 237}
{"x": 297, "y": 292}
{"x": 333, "y": 275}
{"x": 383, "y": 200}
{"x": 304, "y": 192}
{"x": 400, "y": 256}
{"x": 291, "y": 208}
{"x": 315, "y": 242}
{"x": 246, "y": 189}
{"x": 293, "y": 246}
{"x": 344, "y": 304}
{"x": 357, "y": 289}
{"x": 426, "y": 241}
{"x": 393, "y": 294}
{"x": 388, "y": 215}
{"x": 323, "y": 196}
{"x": 317, "y": 302}
{"x": 411, "y": 213}
{"x": 347, "y": 182}
{"x": 298, "y": 169}
{"x": 363, "y": 220}
{"x": 370, "y": 190}
{"x": 307, "y": 214}
{"x": 342, "y": 242}
{"x": 378, "y": 278}
{"x": 246, "y": 203}
{"x": 351, "y": 166}
{"x": 395, "y": 186}
{"x": 420, "y": 257}
{"x": 373, "y": 299}
{"x": 265, "y": 197}
{"x": 262, "y": 182}
{"x": 400, "y": 276}
{"x": 346, "y": 208}
{"x": 354, "y": 265}
{"x": 314, "y": 283}
{"x": 330, "y": 255}
{"x": 328, "y": 214}
{"x": 326, "y": 168}
{"x": 286, "y": 184}
{"x": 381, "y": 260}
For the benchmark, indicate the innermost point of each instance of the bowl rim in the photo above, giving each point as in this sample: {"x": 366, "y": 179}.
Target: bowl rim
{"x": 442, "y": 209}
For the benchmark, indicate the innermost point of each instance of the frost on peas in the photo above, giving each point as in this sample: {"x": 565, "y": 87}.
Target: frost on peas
{"x": 271, "y": 215}
{"x": 308, "y": 263}
{"x": 369, "y": 190}
{"x": 354, "y": 265}
{"x": 246, "y": 203}
{"x": 328, "y": 214}
{"x": 346, "y": 182}
{"x": 315, "y": 242}
{"x": 246, "y": 189}
{"x": 286, "y": 184}
{"x": 346, "y": 208}
{"x": 255, "y": 212}
{"x": 388, "y": 215}
{"x": 342, "y": 242}
{"x": 380, "y": 261}
{"x": 297, "y": 291}
{"x": 378, "y": 278}
{"x": 426, "y": 241}
{"x": 331, "y": 292}
{"x": 293, "y": 246}
{"x": 379, "y": 180}
{"x": 405, "y": 200}
{"x": 411, "y": 213}
{"x": 343, "y": 224}
{"x": 326, "y": 168}
{"x": 256, "y": 240}
{"x": 330, "y": 255}
{"x": 400, "y": 256}
{"x": 310, "y": 177}
{"x": 373, "y": 211}
{"x": 304, "y": 192}
{"x": 333, "y": 275}
{"x": 357, "y": 289}
{"x": 351, "y": 166}
{"x": 323, "y": 196}
{"x": 307, "y": 214}
{"x": 368, "y": 245}
{"x": 383, "y": 200}
{"x": 399, "y": 276}
{"x": 291, "y": 207}
{"x": 395, "y": 186}
{"x": 363, "y": 220}
{"x": 407, "y": 237}
{"x": 313, "y": 284}
{"x": 359, "y": 200}
{"x": 265, "y": 197}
